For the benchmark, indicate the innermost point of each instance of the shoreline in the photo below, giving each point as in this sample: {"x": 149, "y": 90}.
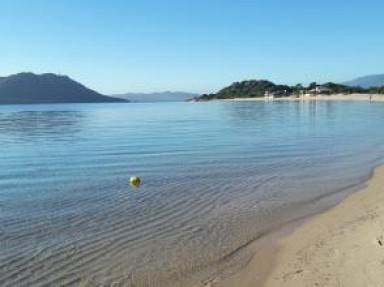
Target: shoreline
{"x": 336, "y": 97}
{"x": 332, "y": 248}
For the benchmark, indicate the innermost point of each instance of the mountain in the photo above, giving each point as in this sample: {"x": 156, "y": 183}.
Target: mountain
{"x": 29, "y": 88}
{"x": 157, "y": 97}
{"x": 367, "y": 81}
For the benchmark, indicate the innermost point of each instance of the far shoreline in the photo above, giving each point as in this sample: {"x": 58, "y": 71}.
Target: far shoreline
{"x": 334, "y": 97}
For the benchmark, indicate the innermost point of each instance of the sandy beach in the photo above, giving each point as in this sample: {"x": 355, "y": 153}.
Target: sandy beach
{"x": 338, "y": 97}
{"x": 343, "y": 246}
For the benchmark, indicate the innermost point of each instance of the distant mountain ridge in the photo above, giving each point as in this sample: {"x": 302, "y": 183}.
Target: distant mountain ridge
{"x": 167, "y": 96}
{"x": 367, "y": 81}
{"x": 30, "y": 88}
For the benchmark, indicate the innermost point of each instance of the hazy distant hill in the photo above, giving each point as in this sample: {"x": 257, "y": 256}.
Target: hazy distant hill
{"x": 29, "y": 88}
{"x": 157, "y": 97}
{"x": 367, "y": 81}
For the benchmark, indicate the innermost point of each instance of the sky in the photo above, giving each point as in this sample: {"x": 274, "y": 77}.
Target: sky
{"x": 116, "y": 46}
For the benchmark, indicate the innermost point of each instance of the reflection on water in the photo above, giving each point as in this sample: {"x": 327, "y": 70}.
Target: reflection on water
{"x": 215, "y": 177}
{"x": 243, "y": 111}
{"x": 47, "y": 125}
{"x": 266, "y": 110}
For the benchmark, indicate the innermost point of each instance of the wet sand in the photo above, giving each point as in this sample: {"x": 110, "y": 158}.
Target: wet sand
{"x": 343, "y": 246}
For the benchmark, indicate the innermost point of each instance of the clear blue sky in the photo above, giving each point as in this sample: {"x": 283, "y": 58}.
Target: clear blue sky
{"x": 198, "y": 45}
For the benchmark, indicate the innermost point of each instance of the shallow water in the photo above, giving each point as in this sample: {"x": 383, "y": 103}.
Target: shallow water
{"x": 216, "y": 176}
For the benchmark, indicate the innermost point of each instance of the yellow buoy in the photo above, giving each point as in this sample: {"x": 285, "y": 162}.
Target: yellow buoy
{"x": 134, "y": 181}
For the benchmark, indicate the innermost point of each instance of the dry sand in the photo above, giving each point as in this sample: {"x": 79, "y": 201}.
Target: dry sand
{"x": 344, "y": 246}
{"x": 354, "y": 97}
{"x": 341, "y": 247}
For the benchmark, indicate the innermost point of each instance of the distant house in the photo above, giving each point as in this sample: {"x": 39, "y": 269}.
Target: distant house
{"x": 318, "y": 90}
{"x": 275, "y": 94}
{"x": 269, "y": 95}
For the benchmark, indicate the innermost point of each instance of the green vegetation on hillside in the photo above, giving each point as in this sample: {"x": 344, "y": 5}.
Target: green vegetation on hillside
{"x": 261, "y": 88}
{"x": 247, "y": 89}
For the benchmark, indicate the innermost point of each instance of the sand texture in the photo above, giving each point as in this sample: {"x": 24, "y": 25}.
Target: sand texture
{"x": 344, "y": 246}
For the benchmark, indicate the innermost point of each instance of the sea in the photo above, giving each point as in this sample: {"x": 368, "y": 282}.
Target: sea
{"x": 215, "y": 177}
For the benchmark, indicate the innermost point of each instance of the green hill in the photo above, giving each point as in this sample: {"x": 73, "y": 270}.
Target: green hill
{"x": 261, "y": 88}
{"x": 247, "y": 89}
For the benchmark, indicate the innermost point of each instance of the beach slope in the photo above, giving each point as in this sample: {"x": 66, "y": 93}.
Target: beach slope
{"x": 343, "y": 246}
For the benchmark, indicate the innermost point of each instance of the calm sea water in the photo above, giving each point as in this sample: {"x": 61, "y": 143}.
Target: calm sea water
{"x": 216, "y": 176}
